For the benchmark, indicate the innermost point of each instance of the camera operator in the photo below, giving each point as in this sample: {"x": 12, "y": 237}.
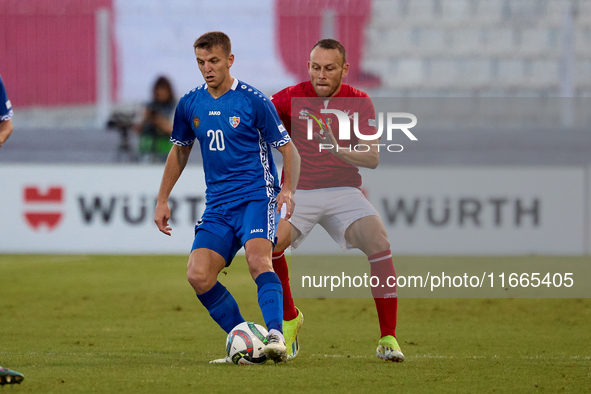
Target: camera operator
{"x": 156, "y": 126}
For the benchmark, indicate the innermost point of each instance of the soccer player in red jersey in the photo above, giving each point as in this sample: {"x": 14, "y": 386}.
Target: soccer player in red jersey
{"x": 328, "y": 189}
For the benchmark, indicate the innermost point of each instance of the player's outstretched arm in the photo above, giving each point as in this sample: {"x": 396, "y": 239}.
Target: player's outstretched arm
{"x": 175, "y": 164}
{"x": 369, "y": 159}
{"x": 291, "y": 175}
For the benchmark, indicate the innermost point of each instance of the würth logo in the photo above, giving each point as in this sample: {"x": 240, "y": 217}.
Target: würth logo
{"x": 43, "y": 208}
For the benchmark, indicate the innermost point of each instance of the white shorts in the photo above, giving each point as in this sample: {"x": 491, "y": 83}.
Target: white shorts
{"x": 334, "y": 208}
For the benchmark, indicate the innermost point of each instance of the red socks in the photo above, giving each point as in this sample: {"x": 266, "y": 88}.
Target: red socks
{"x": 385, "y": 297}
{"x": 280, "y": 267}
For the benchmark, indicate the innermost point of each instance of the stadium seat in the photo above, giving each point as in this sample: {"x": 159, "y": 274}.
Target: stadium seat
{"x": 443, "y": 73}
{"x": 475, "y": 74}
{"x": 385, "y": 14}
{"x": 376, "y": 66}
{"x": 421, "y": 12}
{"x": 489, "y": 12}
{"x": 406, "y": 73}
{"x": 397, "y": 43}
{"x": 433, "y": 41}
{"x": 554, "y": 12}
{"x": 544, "y": 74}
{"x": 457, "y": 11}
{"x": 510, "y": 73}
{"x": 495, "y": 46}
{"x": 583, "y": 16}
{"x": 583, "y": 43}
{"x": 534, "y": 42}
{"x": 501, "y": 42}
{"x": 466, "y": 42}
{"x": 583, "y": 74}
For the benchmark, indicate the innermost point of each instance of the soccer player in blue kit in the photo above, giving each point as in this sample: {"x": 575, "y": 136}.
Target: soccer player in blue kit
{"x": 5, "y": 115}
{"x": 236, "y": 126}
{"x": 7, "y": 376}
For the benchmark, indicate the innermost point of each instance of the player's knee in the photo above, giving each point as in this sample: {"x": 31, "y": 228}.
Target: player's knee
{"x": 283, "y": 236}
{"x": 200, "y": 280}
{"x": 281, "y": 245}
{"x": 373, "y": 245}
{"x": 258, "y": 264}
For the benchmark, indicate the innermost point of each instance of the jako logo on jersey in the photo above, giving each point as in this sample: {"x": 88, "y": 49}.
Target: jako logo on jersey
{"x": 345, "y": 129}
{"x": 256, "y": 230}
{"x": 234, "y": 121}
{"x": 196, "y": 122}
{"x": 42, "y": 207}
{"x": 214, "y": 113}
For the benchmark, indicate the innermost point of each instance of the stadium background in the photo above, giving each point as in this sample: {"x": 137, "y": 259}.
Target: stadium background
{"x": 94, "y": 299}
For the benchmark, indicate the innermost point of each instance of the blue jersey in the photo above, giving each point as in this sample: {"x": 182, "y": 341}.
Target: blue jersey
{"x": 5, "y": 106}
{"x": 235, "y": 132}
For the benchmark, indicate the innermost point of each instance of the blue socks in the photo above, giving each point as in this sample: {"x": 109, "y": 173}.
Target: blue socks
{"x": 270, "y": 294}
{"x": 224, "y": 310}
{"x": 222, "y": 307}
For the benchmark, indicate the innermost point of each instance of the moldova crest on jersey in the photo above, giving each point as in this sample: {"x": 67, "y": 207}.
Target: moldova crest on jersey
{"x": 196, "y": 122}
{"x": 234, "y": 121}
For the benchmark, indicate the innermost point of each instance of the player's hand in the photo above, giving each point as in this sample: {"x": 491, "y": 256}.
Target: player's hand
{"x": 161, "y": 216}
{"x": 285, "y": 197}
{"x": 327, "y": 139}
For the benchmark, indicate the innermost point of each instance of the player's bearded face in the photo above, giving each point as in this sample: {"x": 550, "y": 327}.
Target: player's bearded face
{"x": 326, "y": 71}
{"x": 214, "y": 65}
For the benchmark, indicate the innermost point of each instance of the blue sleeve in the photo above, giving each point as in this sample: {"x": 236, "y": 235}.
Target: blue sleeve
{"x": 182, "y": 133}
{"x": 5, "y": 106}
{"x": 268, "y": 123}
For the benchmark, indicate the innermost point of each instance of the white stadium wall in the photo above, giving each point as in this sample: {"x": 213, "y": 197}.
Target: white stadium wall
{"x": 426, "y": 211}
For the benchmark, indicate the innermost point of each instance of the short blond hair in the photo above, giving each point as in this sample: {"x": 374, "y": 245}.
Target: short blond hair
{"x": 214, "y": 38}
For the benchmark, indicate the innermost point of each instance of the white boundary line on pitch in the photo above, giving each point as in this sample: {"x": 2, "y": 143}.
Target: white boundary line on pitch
{"x": 578, "y": 357}
{"x": 462, "y": 357}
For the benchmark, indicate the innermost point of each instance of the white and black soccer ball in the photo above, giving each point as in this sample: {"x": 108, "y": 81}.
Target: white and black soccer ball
{"x": 245, "y": 344}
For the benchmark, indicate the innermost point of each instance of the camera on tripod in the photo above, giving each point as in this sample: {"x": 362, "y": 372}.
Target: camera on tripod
{"x": 123, "y": 122}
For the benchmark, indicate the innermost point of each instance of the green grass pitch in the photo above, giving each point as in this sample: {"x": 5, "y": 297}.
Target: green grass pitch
{"x": 125, "y": 324}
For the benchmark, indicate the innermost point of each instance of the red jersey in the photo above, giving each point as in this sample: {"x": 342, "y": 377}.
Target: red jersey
{"x": 320, "y": 168}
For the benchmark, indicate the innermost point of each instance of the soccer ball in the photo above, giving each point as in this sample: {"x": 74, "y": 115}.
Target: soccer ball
{"x": 245, "y": 344}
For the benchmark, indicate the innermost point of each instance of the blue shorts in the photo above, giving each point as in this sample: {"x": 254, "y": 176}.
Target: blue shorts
{"x": 225, "y": 228}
